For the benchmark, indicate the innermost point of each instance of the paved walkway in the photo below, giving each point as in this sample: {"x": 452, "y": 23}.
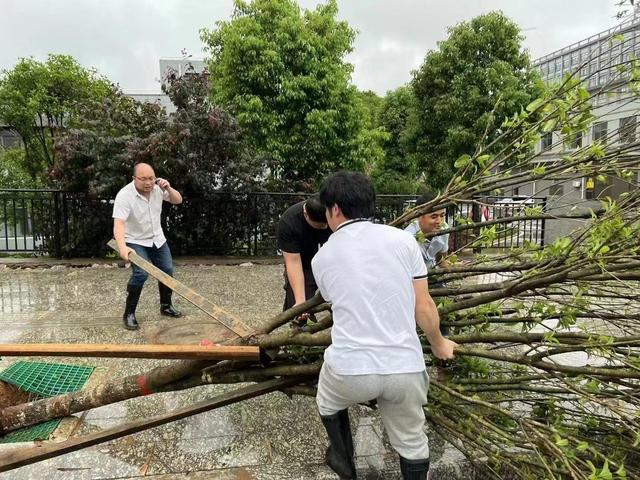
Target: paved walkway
{"x": 271, "y": 437}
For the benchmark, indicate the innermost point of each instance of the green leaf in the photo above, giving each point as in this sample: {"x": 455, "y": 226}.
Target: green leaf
{"x": 605, "y": 473}
{"x": 621, "y": 473}
{"x": 483, "y": 159}
{"x": 550, "y": 125}
{"x": 462, "y": 161}
{"x": 535, "y": 104}
{"x": 582, "y": 447}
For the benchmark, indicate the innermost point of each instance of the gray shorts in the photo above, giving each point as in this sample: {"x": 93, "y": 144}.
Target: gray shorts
{"x": 400, "y": 398}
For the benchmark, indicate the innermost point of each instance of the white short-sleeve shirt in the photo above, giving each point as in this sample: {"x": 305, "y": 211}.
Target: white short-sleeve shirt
{"x": 366, "y": 271}
{"x": 141, "y": 215}
{"x": 430, "y": 248}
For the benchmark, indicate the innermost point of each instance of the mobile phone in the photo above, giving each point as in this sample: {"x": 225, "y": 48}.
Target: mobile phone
{"x": 157, "y": 181}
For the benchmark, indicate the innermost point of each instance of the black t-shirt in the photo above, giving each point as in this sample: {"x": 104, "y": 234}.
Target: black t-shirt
{"x": 295, "y": 235}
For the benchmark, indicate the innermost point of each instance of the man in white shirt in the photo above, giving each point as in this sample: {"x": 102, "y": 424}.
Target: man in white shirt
{"x": 137, "y": 228}
{"x": 434, "y": 248}
{"x": 376, "y": 281}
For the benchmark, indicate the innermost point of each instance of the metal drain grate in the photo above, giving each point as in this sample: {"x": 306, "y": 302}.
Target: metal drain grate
{"x": 43, "y": 380}
{"x": 46, "y": 379}
{"x": 30, "y": 434}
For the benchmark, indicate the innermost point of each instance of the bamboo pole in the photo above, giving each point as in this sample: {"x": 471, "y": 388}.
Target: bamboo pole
{"x": 107, "y": 350}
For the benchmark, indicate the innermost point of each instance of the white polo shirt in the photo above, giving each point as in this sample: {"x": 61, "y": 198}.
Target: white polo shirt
{"x": 141, "y": 216}
{"x": 366, "y": 271}
{"x": 432, "y": 247}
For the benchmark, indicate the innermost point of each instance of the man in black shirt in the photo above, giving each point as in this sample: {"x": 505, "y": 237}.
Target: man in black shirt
{"x": 302, "y": 230}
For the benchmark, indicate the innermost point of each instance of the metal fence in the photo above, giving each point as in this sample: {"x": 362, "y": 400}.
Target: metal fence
{"x": 74, "y": 224}
{"x": 506, "y": 216}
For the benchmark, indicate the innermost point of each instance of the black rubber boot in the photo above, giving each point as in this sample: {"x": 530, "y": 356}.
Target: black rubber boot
{"x": 166, "y": 307}
{"x": 340, "y": 451}
{"x": 414, "y": 469}
{"x": 345, "y": 425}
{"x": 129, "y": 317}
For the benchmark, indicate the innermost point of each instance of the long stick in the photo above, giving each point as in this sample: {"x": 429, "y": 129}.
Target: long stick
{"x": 193, "y": 352}
{"x": 224, "y": 318}
{"x": 18, "y": 458}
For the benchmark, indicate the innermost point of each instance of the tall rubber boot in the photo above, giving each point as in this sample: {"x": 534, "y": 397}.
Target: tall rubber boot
{"x": 414, "y": 469}
{"x": 340, "y": 452}
{"x": 345, "y": 425}
{"x": 129, "y": 317}
{"x": 166, "y": 307}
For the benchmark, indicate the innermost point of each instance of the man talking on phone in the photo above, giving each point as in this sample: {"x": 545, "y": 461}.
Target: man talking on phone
{"x": 137, "y": 228}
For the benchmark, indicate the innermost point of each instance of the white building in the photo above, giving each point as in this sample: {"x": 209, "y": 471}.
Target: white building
{"x": 179, "y": 66}
{"x": 596, "y": 61}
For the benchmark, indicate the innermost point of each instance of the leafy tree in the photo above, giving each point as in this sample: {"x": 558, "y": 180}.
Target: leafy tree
{"x": 372, "y": 104}
{"x": 477, "y": 77}
{"x": 281, "y": 72}
{"x": 396, "y": 171}
{"x": 37, "y": 99}
{"x": 198, "y": 147}
{"x": 12, "y": 171}
{"x": 93, "y": 154}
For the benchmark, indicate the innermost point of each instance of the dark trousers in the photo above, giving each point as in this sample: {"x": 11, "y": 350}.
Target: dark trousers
{"x": 160, "y": 257}
{"x": 310, "y": 289}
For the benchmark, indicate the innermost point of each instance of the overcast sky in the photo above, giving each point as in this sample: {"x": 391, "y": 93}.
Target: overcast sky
{"x": 124, "y": 39}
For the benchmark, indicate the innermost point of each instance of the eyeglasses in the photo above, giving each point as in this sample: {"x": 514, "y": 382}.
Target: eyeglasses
{"x": 145, "y": 179}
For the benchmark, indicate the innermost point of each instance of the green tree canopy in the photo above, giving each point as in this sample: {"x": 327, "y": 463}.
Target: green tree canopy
{"x": 478, "y": 76}
{"x": 94, "y": 154}
{"x": 395, "y": 171}
{"x": 37, "y": 99}
{"x": 281, "y": 71}
{"x": 12, "y": 171}
{"x": 198, "y": 147}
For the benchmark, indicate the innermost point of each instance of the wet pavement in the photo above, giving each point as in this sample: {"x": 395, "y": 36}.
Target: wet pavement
{"x": 270, "y": 437}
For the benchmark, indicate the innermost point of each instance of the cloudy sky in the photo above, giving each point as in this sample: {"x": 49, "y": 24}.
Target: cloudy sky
{"x": 124, "y": 39}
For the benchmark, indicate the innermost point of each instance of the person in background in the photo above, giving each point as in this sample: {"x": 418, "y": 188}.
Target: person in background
{"x": 434, "y": 248}
{"x": 137, "y": 228}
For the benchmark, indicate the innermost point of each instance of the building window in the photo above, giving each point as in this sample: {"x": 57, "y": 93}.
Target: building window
{"x": 556, "y": 190}
{"x": 547, "y": 141}
{"x": 576, "y": 143}
{"x": 627, "y": 129}
{"x": 599, "y": 131}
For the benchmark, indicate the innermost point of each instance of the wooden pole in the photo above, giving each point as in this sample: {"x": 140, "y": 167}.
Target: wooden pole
{"x": 18, "y": 458}
{"x": 192, "y": 352}
{"x": 223, "y": 317}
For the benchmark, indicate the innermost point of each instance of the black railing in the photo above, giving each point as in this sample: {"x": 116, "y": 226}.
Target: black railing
{"x": 505, "y": 233}
{"x": 73, "y": 224}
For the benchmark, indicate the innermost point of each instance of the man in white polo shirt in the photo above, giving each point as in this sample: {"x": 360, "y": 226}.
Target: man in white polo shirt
{"x": 136, "y": 227}
{"x": 376, "y": 280}
{"x": 433, "y": 249}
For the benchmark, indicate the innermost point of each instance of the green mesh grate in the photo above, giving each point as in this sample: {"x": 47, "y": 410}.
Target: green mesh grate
{"x": 29, "y": 434}
{"x": 43, "y": 380}
{"x": 46, "y": 379}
